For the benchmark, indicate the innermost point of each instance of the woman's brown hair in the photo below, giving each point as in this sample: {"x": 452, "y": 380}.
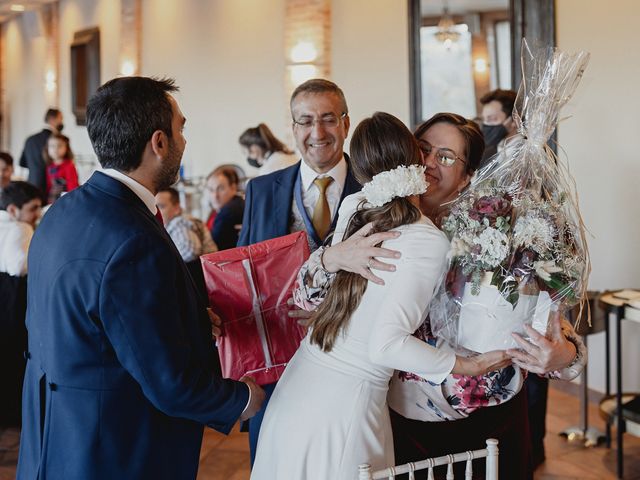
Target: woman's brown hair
{"x": 263, "y": 137}
{"x": 379, "y": 143}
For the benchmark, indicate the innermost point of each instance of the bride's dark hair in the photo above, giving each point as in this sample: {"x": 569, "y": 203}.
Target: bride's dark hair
{"x": 379, "y": 143}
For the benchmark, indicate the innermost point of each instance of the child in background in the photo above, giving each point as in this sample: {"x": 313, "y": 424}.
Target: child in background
{"x": 62, "y": 175}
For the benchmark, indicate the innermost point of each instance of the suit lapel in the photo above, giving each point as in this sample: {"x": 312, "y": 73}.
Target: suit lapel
{"x": 283, "y": 199}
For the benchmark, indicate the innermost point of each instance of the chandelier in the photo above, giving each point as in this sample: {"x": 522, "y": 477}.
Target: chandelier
{"x": 446, "y": 29}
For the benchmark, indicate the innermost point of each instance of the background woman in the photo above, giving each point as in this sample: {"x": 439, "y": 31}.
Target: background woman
{"x": 264, "y": 151}
{"x": 222, "y": 185}
{"x": 421, "y": 413}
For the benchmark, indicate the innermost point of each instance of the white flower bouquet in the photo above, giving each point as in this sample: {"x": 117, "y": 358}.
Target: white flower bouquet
{"x": 518, "y": 251}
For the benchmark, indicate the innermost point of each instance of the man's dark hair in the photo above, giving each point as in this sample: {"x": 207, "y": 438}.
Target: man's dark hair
{"x": 18, "y": 193}
{"x": 173, "y": 194}
{"x": 507, "y": 99}
{"x": 6, "y": 158}
{"x": 320, "y": 85}
{"x": 51, "y": 113}
{"x": 122, "y": 116}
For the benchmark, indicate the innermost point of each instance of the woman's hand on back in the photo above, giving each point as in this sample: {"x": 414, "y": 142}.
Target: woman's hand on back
{"x": 356, "y": 254}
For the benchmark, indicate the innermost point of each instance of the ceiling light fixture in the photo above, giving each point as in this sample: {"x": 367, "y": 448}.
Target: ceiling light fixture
{"x": 446, "y": 29}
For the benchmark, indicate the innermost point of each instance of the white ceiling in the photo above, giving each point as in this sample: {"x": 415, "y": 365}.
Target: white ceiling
{"x": 5, "y": 7}
{"x": 432, "y": 8}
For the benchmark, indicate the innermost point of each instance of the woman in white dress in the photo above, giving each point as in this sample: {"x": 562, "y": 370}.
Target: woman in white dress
{"x": 329, "y": 411}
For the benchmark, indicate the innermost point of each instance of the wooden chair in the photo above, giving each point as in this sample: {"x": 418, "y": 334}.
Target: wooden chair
{"x": 490, "y": 453}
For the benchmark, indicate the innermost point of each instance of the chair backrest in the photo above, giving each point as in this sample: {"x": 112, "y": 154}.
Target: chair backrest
{"x": 490, "y": 453}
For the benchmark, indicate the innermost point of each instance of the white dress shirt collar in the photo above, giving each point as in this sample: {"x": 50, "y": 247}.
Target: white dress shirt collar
{"x": 338, "y": 173}
{"x": 140, "y": 190}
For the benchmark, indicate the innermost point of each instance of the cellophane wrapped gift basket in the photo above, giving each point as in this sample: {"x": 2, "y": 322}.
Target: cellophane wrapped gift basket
{"x": 518, "y": 244}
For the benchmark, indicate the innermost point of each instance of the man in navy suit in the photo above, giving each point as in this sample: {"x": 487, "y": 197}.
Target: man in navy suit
{"x": 32, "y": 154}
{"x": 293, "y": 199}
{"x": 119, "y": 379}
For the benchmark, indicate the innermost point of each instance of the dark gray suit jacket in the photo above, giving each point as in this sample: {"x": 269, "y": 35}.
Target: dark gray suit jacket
{"x": 32, "y": 159}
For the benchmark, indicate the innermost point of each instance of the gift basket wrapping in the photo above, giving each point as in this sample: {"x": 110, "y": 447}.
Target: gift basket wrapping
{"x": 248, "y": 287}
{"x": 518, "y": 248}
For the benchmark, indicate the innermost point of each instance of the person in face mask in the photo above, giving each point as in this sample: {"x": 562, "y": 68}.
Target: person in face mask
{"x": 264, "y": 151}
{"x": 497, "y": 120}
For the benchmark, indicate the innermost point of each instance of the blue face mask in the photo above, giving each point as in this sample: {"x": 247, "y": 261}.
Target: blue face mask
{"x": 493, "y": 134}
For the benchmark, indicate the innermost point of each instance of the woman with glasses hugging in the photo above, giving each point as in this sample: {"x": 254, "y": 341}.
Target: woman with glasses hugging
{"x": 450, "y": 415}
{"x": 328, "y": 413}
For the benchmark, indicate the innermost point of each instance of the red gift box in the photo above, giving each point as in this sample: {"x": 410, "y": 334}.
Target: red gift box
{"x": 248, "y": 287}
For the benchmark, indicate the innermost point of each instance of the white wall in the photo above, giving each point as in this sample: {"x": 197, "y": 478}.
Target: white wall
{"x": 78, "y": 15}
{"x": 25, "y": 104}
{"x": 601, "y": 142}
{"x": 370, "y": 56}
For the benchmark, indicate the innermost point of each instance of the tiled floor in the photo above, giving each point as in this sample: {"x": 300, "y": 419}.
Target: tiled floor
{"x": 227, "y": 458}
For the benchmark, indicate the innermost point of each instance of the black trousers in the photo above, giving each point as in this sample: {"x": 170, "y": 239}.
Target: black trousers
{"x": 537, "y": 393}
{"x": 508, "y": 423}
{"x": 13, "y": 343}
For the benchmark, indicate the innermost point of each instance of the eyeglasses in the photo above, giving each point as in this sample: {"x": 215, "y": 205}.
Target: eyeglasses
{"x": 444, "y": 156}
{"x": 327, "y": 121}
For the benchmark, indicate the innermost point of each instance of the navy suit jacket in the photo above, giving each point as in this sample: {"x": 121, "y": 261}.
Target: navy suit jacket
{"x": 119, "y": 378}
{"x": 32, "y": 159}
{"x": 269, "y": 200}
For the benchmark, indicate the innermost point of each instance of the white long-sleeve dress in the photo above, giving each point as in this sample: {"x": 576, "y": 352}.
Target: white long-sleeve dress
{"x": 329, "y": 413}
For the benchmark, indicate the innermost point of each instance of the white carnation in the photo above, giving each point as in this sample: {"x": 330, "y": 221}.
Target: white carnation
{"x": 494, "y": 247}
{"x": 402, "y": 181}
{"x": 533, "y": 232}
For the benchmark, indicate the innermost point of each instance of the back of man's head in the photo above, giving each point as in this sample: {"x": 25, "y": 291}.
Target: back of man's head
{"x": 320, "y": 85}
{"x": 18, "y": 193}
{"x": 51, "y": 114}
{"x": 506, "y": 98}
{"x": 122, "y": 116}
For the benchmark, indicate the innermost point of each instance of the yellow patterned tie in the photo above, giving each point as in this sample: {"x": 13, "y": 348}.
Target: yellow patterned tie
{"x": 321, "y": 212}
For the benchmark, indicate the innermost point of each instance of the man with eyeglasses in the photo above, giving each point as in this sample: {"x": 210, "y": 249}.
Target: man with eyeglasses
{"x": 307, "y": 195}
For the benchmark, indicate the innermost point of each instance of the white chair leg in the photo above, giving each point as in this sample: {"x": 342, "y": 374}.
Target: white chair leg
{"x": 450, "y": 468}
{"x": 468, "y": 471}
{"x": 364, "y": 472}
{"x": 430, "y": 474}
{"x": 412, "y": 469}
{"x": 492, "y": 459}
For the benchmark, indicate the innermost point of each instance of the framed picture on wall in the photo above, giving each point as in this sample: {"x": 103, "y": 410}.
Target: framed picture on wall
{"x": 85, "y": 71}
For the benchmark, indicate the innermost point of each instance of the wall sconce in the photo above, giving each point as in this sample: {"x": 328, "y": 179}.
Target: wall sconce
{"x": 17, "y": 7}
{"x": 480, "y": 65}
{"x": 127, "y": 69}
{"x": 304, "y": 52}
{"x": 302, "y": 67}
{"x": 50, "y": 81}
